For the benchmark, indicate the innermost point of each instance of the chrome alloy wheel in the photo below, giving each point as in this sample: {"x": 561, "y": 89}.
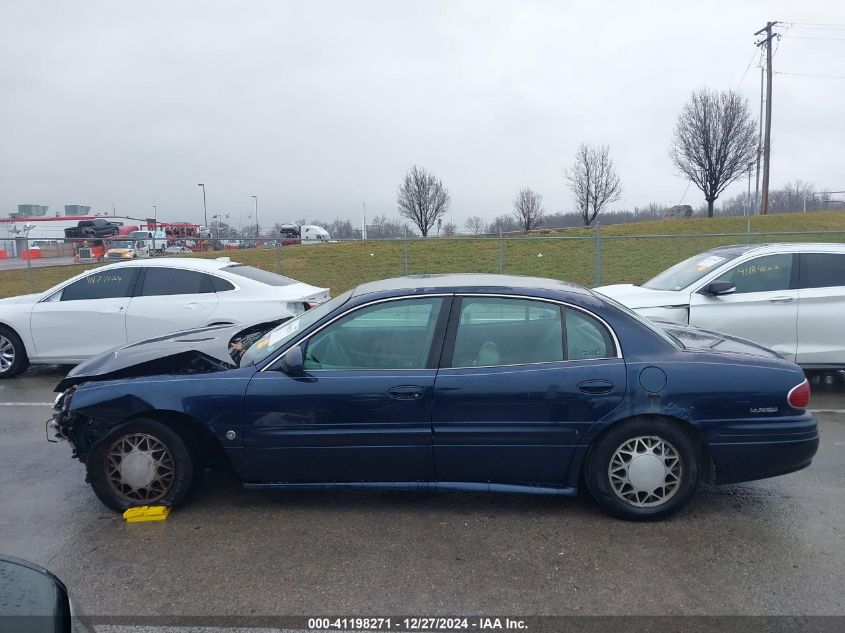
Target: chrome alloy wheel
{"x": 140, "y": 468}
{"x": 7, "y": 354}
{"x": 645, "y": 471}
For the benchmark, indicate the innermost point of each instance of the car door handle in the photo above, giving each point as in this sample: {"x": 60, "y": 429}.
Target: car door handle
{"x": 405, "y": 392}
{"x": 112, "y": 310}
{"x": 595, "y": 386}
{"x": 781, "y": 299}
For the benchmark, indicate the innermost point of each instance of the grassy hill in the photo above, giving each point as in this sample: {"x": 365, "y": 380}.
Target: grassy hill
{"x": 630, "y": 252}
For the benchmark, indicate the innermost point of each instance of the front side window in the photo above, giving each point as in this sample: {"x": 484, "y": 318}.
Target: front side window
{"x": 821, "y": 270}
{"x": 501, "y": 331}
{"x": 175, "y": 281}
{"x": 390, "y": 335}
{"x": 768, "y": 273}
{"x": 106, "y": 284}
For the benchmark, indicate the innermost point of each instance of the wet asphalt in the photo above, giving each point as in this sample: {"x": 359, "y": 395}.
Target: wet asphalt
{"x": 774, "y": 547}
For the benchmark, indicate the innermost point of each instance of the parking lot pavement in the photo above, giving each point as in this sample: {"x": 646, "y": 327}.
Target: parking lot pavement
{"x": 770, "y": 547}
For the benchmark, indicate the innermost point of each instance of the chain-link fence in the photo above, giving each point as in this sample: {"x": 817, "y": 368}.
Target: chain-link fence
{"x": 591, "y": 258}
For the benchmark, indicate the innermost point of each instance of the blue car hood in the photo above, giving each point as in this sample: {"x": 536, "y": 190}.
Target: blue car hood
{"x": 189, "y": 351}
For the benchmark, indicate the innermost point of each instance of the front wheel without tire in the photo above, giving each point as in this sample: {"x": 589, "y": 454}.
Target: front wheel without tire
{"x": 643, "y": 469}
{"x": 142, "y": 462}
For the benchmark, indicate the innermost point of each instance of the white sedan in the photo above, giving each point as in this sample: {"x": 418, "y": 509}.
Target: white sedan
{"x": 787, "y": 297}
{"x": 135, "y": 300}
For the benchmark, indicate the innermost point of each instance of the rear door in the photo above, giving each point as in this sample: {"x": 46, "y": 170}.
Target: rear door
{"x": 764, "y": 308}
{"x": 521, "y": 381}
{"x": 169, "y": 300}
{"x": 821, "y": 309}
{"x": 86, "y": 317}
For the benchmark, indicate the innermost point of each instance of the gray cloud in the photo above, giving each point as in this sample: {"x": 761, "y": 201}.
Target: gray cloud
{"x": 316, "y": 106}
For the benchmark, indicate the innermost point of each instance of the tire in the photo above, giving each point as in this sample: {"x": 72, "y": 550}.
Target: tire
{"x": 166, "y": 478}
{"x": 13, "y": 358}
{"x": 647, "y": 493}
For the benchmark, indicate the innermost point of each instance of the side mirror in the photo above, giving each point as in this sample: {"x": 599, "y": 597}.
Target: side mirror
{"x": 33, "y": 598}
{"x": 293, "y": 361}
{"x": 717, "y": 288}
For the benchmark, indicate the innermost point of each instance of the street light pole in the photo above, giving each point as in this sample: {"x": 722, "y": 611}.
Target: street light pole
{"x": 256, "y": 218}
{"x": 204, "y": 208}
{"x": 155, "y": 214}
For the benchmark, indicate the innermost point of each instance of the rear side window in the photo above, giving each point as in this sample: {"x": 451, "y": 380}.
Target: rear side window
{"x": 821, "y": 270}
{"x": 768, "y": 273}
{"x": 586, "y": 338}
{"x": 221, "y": 285}
{"x": 500, "y": 331}
{"x": 108, "y": 284}
{"x": 174, "y": 281}
{"x": 261, "y": 276}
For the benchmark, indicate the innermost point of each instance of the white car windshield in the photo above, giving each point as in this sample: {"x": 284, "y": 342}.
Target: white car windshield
{"x": 276, "y": 338}
{"x": 690, "y": 270}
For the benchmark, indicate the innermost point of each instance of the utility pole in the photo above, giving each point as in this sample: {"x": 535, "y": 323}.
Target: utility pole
{"x": 364, "y": 224}
{"x": 256, "y": 218}
{"x": 759, "y": 146}
{"x": 204, "y": 207}
{"x": 767, "y": 140}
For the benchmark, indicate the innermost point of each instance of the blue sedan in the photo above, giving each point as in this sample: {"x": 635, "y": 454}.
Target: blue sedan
{"x": 448, "y": 382}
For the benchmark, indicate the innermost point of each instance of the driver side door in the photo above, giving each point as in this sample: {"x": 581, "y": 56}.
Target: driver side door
{"x": 361, "y": 408}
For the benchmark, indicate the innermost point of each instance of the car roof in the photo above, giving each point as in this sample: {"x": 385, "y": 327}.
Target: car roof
{"x": 187, "y": 263}
{"x": 778, "y": 247}
{"x": 469, "y": 282}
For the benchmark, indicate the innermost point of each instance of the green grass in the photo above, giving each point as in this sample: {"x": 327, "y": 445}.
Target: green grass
{"x": 625, "y": 257}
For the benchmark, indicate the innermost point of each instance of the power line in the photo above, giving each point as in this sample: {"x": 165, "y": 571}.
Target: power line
{"x": 813, "y": 25}
{"x": 778, "y": 72}
{"x": 750, "y": 61}
{"x": 807, "y": 37}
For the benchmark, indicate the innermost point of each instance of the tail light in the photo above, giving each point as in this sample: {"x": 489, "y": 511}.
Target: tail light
{"x": 799, "y": 395}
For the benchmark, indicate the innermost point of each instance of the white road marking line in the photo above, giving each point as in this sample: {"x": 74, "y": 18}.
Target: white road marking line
{"x": 26, "y": 404}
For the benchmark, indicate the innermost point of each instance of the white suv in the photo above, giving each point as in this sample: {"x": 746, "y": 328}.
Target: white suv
{"x": 787, "y": 297}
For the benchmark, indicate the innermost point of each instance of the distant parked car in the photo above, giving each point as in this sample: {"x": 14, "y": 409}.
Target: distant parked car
{"x": 787, "y": 297}
{"x": 453, "y": 382}
{"x": 122, "y": 303}
{"x": 176, "y": 250}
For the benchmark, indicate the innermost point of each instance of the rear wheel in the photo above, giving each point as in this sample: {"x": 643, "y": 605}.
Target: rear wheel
{"x": 643, "y": 469}
{"x": 140, "y": 463}
{"x": 13, "y": 359}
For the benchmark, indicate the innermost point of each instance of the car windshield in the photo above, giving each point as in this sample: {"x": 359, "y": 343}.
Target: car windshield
{"x": 276, "y": 338}
{"x": 689, "y": 271}
{"x": 122, "y": 244}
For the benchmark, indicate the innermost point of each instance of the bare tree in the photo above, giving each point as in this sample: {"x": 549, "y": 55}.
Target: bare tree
{"x": 528, "y": 209}
{"x": 422, "y": 199}
{"x": 593, "y": 180}
{"x": 715, "y": 140}
{"x": 449, "y": 230}
{"x": 474, "y": 224}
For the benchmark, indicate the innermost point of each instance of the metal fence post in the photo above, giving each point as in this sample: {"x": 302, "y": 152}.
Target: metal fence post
{"x": 278, "y": 257}
{"x": 405, "y": 256}
{"x": 597, "y": 271}
{"x": 748, "y": 230}
{"x": 501, "y": 253}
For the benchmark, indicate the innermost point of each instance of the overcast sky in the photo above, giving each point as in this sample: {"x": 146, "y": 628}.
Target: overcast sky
{"x": 317, "y": 106}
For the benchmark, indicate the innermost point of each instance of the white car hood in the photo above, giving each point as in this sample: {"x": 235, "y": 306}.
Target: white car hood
{"x": 636, "y": 297}
{"x": 21, "y": 299}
